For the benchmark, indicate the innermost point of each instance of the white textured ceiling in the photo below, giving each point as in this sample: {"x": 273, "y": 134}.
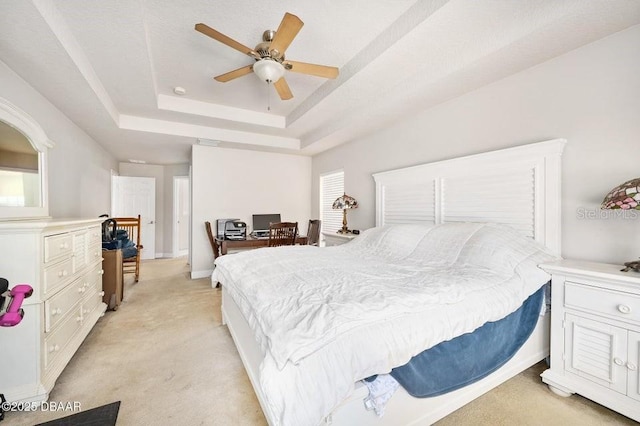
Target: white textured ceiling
{"x": 111, "y": 65}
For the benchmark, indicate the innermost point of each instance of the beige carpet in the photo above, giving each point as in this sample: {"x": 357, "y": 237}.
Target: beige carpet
{"x": 166, "y": 356}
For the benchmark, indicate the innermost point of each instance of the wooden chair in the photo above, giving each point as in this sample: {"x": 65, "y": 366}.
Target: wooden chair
{"x": 212, "y": 241}
{"x": 313, "y": 233}
{"x": 214, "y": 245}
{"x": 131, "y": 265}
{"x": 283, "y": 234}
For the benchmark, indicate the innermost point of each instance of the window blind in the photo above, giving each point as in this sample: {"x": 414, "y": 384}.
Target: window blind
{"x": 331, "y": 187}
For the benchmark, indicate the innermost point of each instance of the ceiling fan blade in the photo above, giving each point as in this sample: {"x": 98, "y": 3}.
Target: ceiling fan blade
{"x": 311, "y": 69}
{"x": 287, "y": 31}
{"x": 223, "y": 78}
{"x": 283, "y": 89}
{"x": 216, "y": 35}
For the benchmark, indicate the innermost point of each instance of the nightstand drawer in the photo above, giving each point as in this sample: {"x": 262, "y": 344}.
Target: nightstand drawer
{"x": 611, "y": 303}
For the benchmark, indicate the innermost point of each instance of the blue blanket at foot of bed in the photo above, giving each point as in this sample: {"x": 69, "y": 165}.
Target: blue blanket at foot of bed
{"x": 468, "y": 358}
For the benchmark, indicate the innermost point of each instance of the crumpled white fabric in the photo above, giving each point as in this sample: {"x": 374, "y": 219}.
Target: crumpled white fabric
{"x": 380, "y": 392}
{"x": 332, "y": 316}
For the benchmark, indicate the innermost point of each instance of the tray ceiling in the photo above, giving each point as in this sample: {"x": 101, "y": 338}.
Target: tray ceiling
{"x": 111, "y": 66}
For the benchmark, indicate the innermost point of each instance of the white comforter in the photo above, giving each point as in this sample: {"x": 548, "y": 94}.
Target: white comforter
{"x": 327, "y": 317}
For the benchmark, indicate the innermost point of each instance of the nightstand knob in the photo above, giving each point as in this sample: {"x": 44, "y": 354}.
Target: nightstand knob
{"x": 618, "y": 361}
{"x": 631, "y": 366}
{"x": 624, "y": 309}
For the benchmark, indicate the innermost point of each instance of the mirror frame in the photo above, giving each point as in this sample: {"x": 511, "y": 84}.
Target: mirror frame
{"x": 25, "y": 124}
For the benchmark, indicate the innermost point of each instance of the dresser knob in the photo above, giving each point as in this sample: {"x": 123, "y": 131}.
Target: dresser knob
{"x": 59, "y": 274}
{"x": 80, "y": 289}
{"x": 54, "y": 348}
{"x": 631, "y": 366}
{"x": 101, "y": 293}
{"x": 78, "y": 319}
{"x": 624, "y": 309}
{"x": 65, "y": 273}
{"x": 618, "y": 361}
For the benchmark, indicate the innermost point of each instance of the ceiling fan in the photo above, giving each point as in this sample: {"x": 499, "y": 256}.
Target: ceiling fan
{"x": 270, "y": 62}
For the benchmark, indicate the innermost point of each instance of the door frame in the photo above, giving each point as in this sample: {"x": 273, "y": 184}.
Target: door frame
{"x": 176, "y": 207}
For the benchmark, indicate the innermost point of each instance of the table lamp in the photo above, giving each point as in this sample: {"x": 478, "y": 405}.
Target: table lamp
{"x": 625, "y": 197}
{"x": 344, "y": 202}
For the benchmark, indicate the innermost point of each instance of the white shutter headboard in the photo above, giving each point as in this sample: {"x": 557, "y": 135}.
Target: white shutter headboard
{"x": 517, "y": 186}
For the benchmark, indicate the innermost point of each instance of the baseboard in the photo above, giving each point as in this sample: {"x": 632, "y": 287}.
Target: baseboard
{"x": 201, "y": 274}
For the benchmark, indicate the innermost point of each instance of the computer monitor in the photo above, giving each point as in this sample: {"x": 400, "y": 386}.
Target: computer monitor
{"x": 261, "y": 221}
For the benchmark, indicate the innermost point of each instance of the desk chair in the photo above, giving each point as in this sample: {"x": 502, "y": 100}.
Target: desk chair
{"x": 214, "y": 245}
{"x": 283, "y": 234}
{"x": 313, "y": 233}
{"x": 212, "y": 241}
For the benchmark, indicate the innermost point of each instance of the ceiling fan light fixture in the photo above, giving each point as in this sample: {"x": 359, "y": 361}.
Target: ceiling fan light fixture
{"x": 268, "y": 70}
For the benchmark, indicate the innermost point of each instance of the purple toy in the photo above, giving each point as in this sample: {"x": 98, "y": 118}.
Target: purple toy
{"x": 14, "y": 313}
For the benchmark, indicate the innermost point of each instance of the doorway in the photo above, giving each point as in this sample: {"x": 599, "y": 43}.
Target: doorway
{"x": 133, "y": 196}
{"x": 180, "y": 216}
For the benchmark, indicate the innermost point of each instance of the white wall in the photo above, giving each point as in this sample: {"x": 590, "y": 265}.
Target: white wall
{"x": 239, "y": 183}
{"x": 79, "y": 168}
{"x": 590, "y": 96}
{"x": 164, "y": 198}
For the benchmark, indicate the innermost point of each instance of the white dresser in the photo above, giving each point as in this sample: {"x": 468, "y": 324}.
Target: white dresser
{"x": 595, "y": 334}
{"x": 62, "y": 261}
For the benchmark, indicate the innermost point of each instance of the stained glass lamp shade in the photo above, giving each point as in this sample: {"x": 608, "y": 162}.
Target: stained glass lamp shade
{"x": 625, "y": 197}
{"x": 344, "y": 203}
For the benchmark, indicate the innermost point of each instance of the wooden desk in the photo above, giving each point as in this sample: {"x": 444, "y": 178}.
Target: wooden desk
{"x": 250, "y": 243}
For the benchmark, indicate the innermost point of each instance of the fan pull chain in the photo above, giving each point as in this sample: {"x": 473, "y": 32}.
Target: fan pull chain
{"x": 268, "y": 95}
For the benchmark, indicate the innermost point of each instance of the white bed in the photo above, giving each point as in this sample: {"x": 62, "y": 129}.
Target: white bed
{"x": 518, "y": 186}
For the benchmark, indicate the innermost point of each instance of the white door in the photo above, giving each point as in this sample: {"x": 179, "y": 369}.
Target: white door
{"x": 180, "y": 215}
{"x": 133, "y": 196}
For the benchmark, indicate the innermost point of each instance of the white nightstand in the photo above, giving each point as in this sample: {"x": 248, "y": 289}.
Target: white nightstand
{"x": 335, "y": 239}
{"x": 595, "y": 334}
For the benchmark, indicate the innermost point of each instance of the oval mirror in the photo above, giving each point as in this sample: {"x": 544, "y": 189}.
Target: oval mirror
{"x": 19, "y": 171}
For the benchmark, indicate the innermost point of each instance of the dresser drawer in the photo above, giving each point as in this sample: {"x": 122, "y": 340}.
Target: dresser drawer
{"x": 55, "y": 343}
{"x": 92, "y": 301}
{"x": 57, "y": 247}
{"x": 95, "y": 253}
{"x": 59, "y": 305}
{"x": 94, "y": 278}
{"x": 611, "y": 303}
{"x": 56, "y": 275}
{"x": 95, "y": 235}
